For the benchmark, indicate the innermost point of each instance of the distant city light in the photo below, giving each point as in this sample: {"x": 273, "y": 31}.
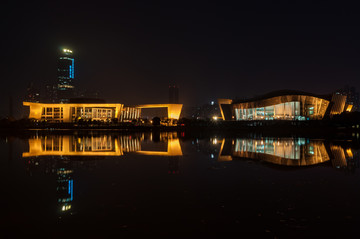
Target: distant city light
{"x": 66, "y": 207}
{"x": 67, "y": 50}
{"x": 215, "y": 118}
{"x": 212, "y": 102}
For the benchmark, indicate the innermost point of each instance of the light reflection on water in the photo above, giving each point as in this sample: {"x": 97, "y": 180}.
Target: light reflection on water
{"x": 171, "y": 164}
{"x": 294, "y": 152}
{"x": 281, "y": 151}
{"x": 287, "y": 151}
{"x": 103, "y": 145}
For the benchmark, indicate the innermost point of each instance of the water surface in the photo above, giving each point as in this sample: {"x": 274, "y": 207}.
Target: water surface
{"x": 104, "y": 183}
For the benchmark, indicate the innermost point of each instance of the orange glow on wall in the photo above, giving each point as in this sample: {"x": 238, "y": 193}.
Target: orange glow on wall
{"x": 174, "y": 110}
{"x": 349, "y": 108}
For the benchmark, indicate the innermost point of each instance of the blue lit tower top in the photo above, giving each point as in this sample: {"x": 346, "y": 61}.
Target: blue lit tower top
{"x": 66, "y": 73}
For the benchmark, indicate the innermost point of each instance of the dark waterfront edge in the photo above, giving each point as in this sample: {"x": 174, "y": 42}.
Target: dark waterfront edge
{"x": 313, "y": 129}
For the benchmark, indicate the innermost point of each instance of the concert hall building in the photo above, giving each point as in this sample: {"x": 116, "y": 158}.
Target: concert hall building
{"x": 284, "y": 105}
{"x": 71, "y": 112}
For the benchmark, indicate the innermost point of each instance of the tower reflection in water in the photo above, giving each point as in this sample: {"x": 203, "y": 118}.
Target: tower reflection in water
{"x": 60, "y": 154}
{"x": 64, "y": 188}
{"x": 289, "y": 151}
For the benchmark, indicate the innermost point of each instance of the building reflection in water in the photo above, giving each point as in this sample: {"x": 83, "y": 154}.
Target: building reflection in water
{"x": 344, "y": 157}
{"x": 65, "y": 148}
{"x": 287, "y": 151}
{"x": 64, "y": 188}
{"x": 104, "y": 145}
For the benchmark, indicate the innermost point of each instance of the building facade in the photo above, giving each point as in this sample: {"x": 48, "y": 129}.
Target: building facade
{"x": 283, "y": 105}
{"x": 66, "y": 74}
{"x": 72, "y": 112}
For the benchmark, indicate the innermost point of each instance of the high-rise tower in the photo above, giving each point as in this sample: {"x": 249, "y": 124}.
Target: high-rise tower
{"x": 65, "y": 79}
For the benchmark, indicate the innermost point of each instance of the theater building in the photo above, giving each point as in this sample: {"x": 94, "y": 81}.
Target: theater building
{"x": 284, "y": 105}
{"x": 71, "y": 112}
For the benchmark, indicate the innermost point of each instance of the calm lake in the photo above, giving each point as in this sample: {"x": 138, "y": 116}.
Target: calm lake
{"x": 101, "y": 183}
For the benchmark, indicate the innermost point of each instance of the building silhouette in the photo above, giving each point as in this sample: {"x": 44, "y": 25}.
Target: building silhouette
{"x": 352, "y": 98}
{"x": 32, "y": 93}
{"x": 65, "y": 78}
{"x": 50, "y": 95}
{"x": 173, "y": 94}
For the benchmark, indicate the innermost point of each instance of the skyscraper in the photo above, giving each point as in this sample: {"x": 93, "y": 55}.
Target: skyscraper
{"x": 65, "y": 79}
{"x": 173, "y": 94}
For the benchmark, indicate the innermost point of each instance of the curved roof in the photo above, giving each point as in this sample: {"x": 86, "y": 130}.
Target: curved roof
{"x": 281, "y": 93}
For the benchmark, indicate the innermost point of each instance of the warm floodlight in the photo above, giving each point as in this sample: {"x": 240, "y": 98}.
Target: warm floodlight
{"x": 67, "y": 50}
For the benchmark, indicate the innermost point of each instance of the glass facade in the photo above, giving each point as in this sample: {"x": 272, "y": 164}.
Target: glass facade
{"x": 284, "y": 107}
{"x": 288, "y": 110}
{"x": 66, "y": 73}
{"x": 92, "y": 113}
{"x": 53, "y": 114}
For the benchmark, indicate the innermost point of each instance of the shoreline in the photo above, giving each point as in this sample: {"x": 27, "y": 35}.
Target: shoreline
{"x": 270, "y": 129}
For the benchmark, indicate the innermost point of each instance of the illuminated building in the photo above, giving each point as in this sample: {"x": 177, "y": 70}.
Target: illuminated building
{"x": 283, "y": 105}
{"x": 71, "y": 112}
{"x": 173, "y": 94}
{"x": 173, "y": 110}
{"x": 65, "y": 77}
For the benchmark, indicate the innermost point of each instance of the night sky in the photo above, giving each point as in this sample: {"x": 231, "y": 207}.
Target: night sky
{"x": 130, "y": 51}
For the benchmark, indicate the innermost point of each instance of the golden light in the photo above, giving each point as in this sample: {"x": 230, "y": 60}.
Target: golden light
{"x": 349, "y": 153}
{"x": 173, "y": 149}
{"x": 221, "y": 102}
{"x": 45, "y": 147}
{"x": 37, "y": 109}
{"x": 174, "y": 110}
{"x": 349, "y": 108}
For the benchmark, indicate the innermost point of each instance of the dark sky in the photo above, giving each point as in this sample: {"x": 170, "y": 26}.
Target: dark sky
{"x": 131, "y": 51}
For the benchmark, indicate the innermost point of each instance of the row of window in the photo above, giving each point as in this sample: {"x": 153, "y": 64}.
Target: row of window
{"x": 288, "y": 111}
